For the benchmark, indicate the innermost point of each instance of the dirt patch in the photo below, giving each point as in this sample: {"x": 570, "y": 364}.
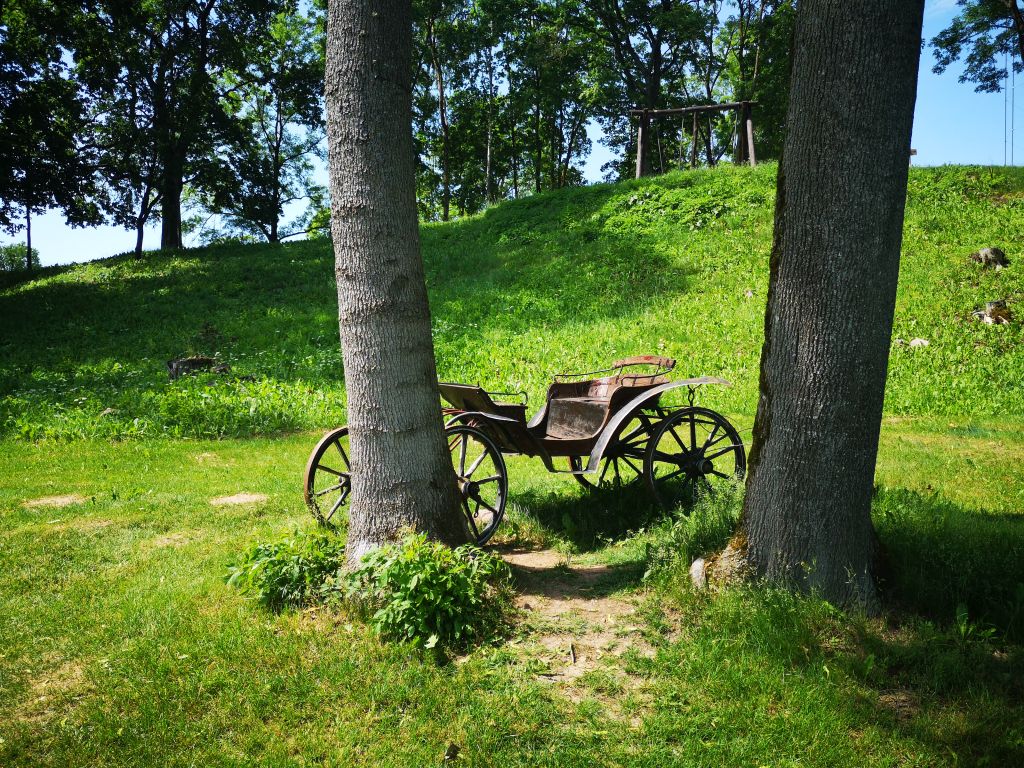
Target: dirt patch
{"x": 579, "y": 625}
{"x": 903, "y": 704}
{"x": 50, "y": 692}
{"x": 206, "y": 457}
{"x": 239, "y": 498}
{"x": 170, "y": 540}
{"x": 55, "y": 501}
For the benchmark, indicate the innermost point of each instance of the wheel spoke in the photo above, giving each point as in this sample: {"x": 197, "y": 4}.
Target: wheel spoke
{"x": 491, "y": 479}
{"x": 604, "y": 471}
{"x": 672, "y": 431}
{"x": 719, "y": 474}
{"x": 722, "y": 452}
{"x": 476, "y": 464}
{"x": 472, "y": 522}
{"x": 332, "y": 471}
{"x": 462, "y": 455}
{"x": 711, "y": 441}
{"x": 328, "y": 490}
{"x": 693, "y": 430}
{"x": 670, "y": 475}
{"x": 341, "y": 450}
{"x": 631, "y": 465}
{"x": 337, "y": 505}
{"x": 481, "y": 503}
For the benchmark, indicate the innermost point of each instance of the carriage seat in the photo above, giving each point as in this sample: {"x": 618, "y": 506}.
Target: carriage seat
{"x": 579, "y": 409}
{"x": 469, "y": 398}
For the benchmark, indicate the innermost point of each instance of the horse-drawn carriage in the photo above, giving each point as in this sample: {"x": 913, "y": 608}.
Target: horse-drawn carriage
{"x": 608, "y": 428}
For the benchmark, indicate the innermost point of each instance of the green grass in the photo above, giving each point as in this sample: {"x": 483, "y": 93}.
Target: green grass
{"x": 120, "y": 643}
{"x": 556, "y": 282}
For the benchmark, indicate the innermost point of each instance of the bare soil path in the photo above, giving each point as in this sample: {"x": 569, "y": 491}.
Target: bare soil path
{"x": 581, "y": 626}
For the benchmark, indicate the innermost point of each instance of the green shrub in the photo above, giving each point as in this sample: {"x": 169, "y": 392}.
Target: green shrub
{"x": 428, "y": 594}
{"x": 706, "y": 528}
{"x": 289, "y": 572}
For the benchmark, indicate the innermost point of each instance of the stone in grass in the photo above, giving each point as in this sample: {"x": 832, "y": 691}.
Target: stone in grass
{"x": 994, "y": 313}
{"x": 699, "y": 573}
{"x": 915, "y": 343}
{"x": 991, "y": 257}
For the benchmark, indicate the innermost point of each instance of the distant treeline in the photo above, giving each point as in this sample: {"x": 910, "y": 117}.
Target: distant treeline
{"x": 192, "y": 111}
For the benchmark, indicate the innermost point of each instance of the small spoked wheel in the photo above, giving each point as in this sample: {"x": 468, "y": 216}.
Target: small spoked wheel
{"x": 482, "y": 478}
{"x": 692, "y": 451}
{"x": 623, "y": 461}
{"x": 328, "y": 481}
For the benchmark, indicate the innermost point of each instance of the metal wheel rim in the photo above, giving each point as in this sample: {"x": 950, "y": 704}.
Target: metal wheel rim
{"x": 692, "y": 451}
{"x": 327, "y": 486}
{"x": 482, "y": 477}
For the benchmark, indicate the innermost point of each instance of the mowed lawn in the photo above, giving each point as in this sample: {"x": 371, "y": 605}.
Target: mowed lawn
{"x": 120, "y": 644}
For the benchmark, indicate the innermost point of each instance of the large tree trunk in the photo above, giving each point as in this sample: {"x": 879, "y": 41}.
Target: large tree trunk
{"x": 28, "y": 238}
{"x": 402, "y": 471}
{"x": 170, "y": 201}
{"x": 835, "y": 259}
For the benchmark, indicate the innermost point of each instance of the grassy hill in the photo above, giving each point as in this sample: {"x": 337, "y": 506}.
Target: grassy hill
{"x": 557, "y": 282}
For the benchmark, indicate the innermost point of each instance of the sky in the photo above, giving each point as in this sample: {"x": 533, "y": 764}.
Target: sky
{"x": 952, "y": 125}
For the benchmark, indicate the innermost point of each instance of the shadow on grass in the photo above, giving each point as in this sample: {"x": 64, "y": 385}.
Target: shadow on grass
{"x": 591, "y": 519}
{"x": 955, "y": 565}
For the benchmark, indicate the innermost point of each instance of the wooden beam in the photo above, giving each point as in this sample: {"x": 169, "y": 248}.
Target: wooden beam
{"x": 688, "y": 110}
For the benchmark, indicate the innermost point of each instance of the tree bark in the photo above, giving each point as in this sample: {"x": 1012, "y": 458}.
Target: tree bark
{"x": 402, "y": 472}
{"x": 170, "y": 202}
{"x": 841, "y": 192}
{"x": 28, "y": 238}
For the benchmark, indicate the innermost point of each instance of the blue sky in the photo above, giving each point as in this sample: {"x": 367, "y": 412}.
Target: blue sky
{"x": 952, "y": 124}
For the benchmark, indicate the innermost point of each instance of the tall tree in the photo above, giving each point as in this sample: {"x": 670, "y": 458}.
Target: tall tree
{"x": 832, "y": 290}
{"x": 44, "y": 161}
{"x": 265, "y": 161}
{"x": 165, "y": 57}
{"x": 984, "y": 34}
{"x": 402, "y": 473}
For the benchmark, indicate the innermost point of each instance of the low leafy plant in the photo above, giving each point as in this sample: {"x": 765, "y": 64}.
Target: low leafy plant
{"x": 290, "y": 572}
{"x": 426, "y": 593}
{"x": 704, "y": 529}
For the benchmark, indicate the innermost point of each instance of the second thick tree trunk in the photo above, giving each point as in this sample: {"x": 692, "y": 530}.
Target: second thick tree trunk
{"x": 402, "y": 470}
{"x": 834, "y": 265}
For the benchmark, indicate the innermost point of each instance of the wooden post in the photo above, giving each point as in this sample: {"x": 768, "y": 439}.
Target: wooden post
{"x": 693, "y": 143}
{"x": 739, "y": 151}
{"x": 749, "y": 120}
{"x": 641, "y": 142}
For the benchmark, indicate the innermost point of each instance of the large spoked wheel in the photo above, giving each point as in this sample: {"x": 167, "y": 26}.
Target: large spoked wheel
{"x": 692, "y": 451}
{"x": 482, "y": 477}
{"x": 328, "y": 481}
{"x": 623, "y": 461}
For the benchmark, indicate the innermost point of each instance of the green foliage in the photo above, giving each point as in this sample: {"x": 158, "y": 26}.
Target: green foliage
{"x": 429, "y": 594}
{"x": 982, "y": 34}
{"x": 289, "y": 572}
{"x": 705, "y": 529}
{"x": 12, "y": 257}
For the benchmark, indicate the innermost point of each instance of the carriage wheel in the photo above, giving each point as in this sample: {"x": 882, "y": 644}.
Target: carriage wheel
{"x": 623, "y": 460}
{"x": 482, "y": 477}
{"x": 692, "y": 451}
{"x": 328, "y": 481}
